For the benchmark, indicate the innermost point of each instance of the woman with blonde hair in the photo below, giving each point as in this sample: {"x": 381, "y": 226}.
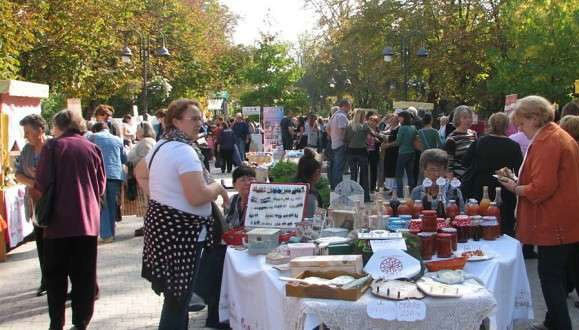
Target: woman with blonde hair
{"x": 548, "y": 189}
{"x": 356, "y": 141}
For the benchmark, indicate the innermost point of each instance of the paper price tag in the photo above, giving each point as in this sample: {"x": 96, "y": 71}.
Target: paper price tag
{"x": 410, "y": 310}
{"x": 406, "y": 310}
{"x": 397, "y": 244}
{"x": 381, "y": 309}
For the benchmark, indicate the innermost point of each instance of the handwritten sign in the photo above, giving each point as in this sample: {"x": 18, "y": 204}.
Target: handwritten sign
{"x": 405, "y": 310}
{"x": 379, "y": 245}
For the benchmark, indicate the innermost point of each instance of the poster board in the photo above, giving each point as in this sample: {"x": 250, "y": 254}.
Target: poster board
{"x": 273, "y": 205}
{"x": 418, "y": 105}
{"x": 74, "y": 105}
{"x": 272, "y": 117}
{"x": 251, "y": 111}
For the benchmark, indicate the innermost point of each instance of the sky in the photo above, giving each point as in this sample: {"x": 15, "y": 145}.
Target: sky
{"x": 288, "y": 18}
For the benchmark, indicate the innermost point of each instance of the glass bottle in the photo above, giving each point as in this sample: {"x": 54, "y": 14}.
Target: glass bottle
{"x": 440, "y": 207}
{"x": 407, "y": 197}
{"x": 494, "y": 211}
{"x": 394, "y": 202}
{"x": 498, "y": 197}
{"x": 485, "y": 201}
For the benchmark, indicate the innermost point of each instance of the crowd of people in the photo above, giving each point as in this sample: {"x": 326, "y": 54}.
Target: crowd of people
{"x": 86, "y": 168}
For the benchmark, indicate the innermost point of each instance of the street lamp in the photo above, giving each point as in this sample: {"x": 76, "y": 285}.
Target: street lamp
{"x": 144, "y": 52}
{"x": 388, "y": 53}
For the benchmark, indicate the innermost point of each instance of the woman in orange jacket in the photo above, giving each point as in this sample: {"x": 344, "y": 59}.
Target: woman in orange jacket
{"x": 548, "y": 191}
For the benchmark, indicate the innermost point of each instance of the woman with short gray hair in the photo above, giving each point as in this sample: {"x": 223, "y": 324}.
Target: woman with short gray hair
{"x": 460, "y": 140}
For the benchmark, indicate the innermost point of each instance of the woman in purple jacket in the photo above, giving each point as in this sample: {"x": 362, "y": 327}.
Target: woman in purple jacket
{"x": 75, "y": 165}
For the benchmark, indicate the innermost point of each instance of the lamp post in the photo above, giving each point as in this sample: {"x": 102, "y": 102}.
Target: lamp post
{"x": 144, "y": 53}
{"x": 389, "y": 54}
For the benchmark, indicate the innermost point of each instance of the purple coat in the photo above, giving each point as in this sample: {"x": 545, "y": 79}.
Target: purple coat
{"x": 80, "y": 183}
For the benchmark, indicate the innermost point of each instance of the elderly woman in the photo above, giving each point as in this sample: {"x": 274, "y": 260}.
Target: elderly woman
{"x": 548, "y": 191}
{"x": 179, "y": 211}
{"x": 34, "y": 128}
{"x": 570, "y": 124}
{"x": 146, "y": 141}
{"x": 489, "y": 154}
{"x": 74, "y": 167}
{"x": 458, "y": 142}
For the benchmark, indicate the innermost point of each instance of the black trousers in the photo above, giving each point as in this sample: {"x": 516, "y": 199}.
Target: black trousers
{"x": 373, "y": 159}
{"x": 74, "y": 257}
{"x": 552, "y": 265}
{"x": 39, "y": 236}
{"x": 227, "y": 156}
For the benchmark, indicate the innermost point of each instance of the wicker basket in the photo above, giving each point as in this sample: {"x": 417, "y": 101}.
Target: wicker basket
{"x": 452, "y": 264}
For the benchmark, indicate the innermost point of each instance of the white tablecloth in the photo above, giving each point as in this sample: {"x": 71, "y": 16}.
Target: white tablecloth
{"x": 252, "y": 296}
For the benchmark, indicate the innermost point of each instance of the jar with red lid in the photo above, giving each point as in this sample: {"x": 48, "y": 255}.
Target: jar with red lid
{"x": 426, "y": 245}
{"x": 454, "y": 236}
{"x": 461, "y": 220}
{"x": 444, "y": 245}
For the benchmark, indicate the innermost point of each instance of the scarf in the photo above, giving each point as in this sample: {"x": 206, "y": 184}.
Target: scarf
{"x": 175, "y": 134}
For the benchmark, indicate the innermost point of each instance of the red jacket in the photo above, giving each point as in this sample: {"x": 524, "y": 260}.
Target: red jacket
{"x": 548, "y": 210}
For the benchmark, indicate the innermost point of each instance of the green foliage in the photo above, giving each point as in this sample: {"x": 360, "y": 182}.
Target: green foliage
{"x": 285, "y": 171}
{"x": 50, "y": 106}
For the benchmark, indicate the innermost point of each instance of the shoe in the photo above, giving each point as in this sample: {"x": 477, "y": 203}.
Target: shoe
{"x": 196, "y": 307}
{"x": 107, "y": 240}
{"x": 218, "y": 325}
{"x": 538, "y": 326}
{"x": 139, "y": 232}
{"x": 40, "y": 292}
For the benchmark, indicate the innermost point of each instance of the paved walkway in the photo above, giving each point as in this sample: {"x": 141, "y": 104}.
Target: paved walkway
{"x": 126, "y": 300}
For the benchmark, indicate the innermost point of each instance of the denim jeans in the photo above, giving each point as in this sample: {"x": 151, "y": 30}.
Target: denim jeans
{"x": 109, "y": 209}
{"x": 241, "y": 147}
{"x": 405, "y": 162}
{"x": 552, "y": 265}
{"x": 175, "y": 312}
{"x": 338, "y": 164}
{"x": 359, "y": 163}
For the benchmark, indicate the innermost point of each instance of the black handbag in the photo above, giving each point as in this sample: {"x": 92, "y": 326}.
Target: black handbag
{"x": 45, "y": 204}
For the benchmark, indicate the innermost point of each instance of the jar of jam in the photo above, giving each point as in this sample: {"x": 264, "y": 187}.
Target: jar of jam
{"x": 453, "y": 235}
{"x": 404, "y": 209}
{"x": 417, "y": 209}
{"x": 429, "y": 221}
{"x": 492, "y": 219}
{"x": 462, "y": 232}
{"x": 488, "y": 231}
{"x": 493, "y": 211}
{"x": 472, "y": 208}
{"x": 443, "y": 245}
{"x": 451, "y": 209}
{"x": 461, "y": 220}
{"x": 426, "y": 245}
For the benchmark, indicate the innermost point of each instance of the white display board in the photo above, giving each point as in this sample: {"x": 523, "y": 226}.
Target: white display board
{"x": 251, "y": 111}
{"x": 272, "y": 205}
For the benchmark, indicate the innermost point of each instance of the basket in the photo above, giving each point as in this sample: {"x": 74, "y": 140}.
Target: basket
{"x": 452, "y": 264}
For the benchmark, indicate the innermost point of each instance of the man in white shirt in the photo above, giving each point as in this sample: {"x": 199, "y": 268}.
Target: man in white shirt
{"x": 336, "y": 129}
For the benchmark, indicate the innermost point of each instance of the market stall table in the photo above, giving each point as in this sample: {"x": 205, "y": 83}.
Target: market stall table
{"x": 252, "y": 296}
